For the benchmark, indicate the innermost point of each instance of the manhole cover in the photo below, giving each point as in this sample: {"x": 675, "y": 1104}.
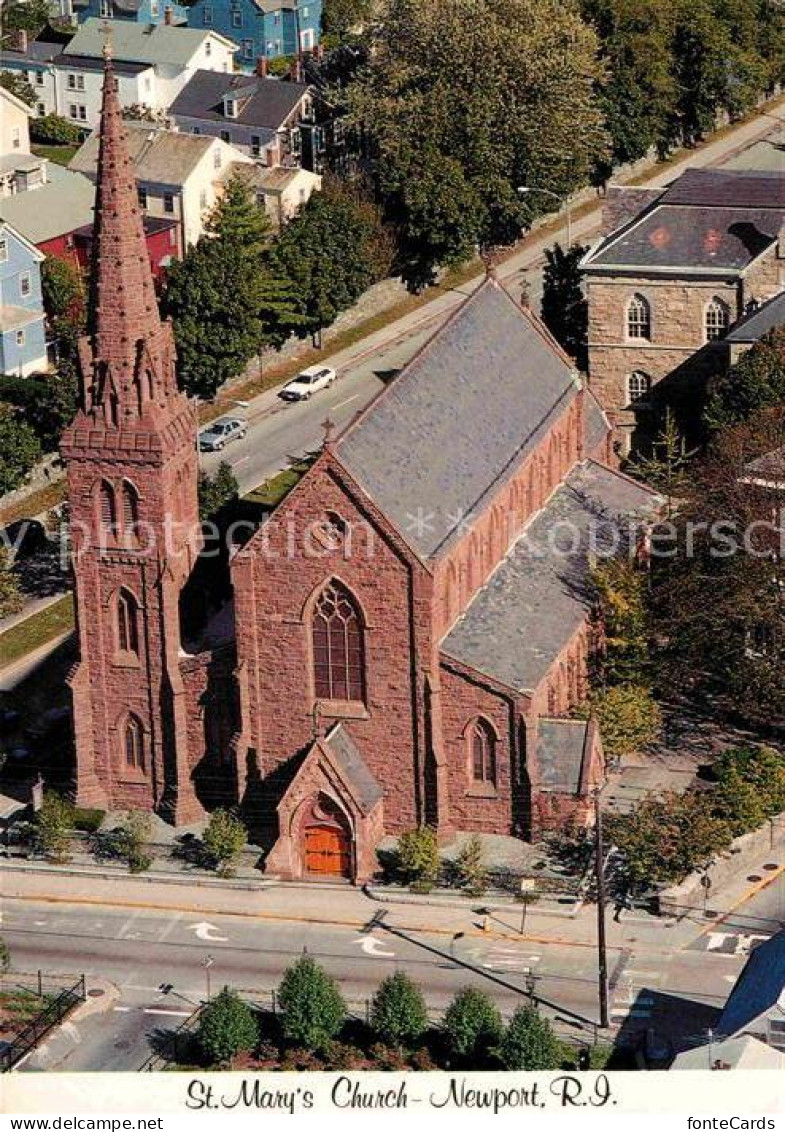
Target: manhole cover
{"x": 711, "y": 915}
{"x": 96, "y": 992}
{"x": 769, "y": 867}
{"x": 753, "y": 877}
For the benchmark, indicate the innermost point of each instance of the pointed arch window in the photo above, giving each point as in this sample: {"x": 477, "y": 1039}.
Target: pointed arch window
{"x": 338, "y": 648}
{"x": 130, "y": 504}
{"x": 127, "y": 623}
{"x": 107, "y": 504}
{"x": 133, "y": 744}
{"x": 638, "y": 386}
{"x": 638, "y": 317}
{"x": 482, "y": 751}
{"x": 717, "y": 319}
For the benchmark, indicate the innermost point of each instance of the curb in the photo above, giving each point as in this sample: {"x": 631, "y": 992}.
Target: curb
{"x": 383, "y": 896}
{"x": 142, "y": 878}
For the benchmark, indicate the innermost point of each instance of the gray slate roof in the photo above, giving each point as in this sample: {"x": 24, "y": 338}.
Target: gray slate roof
{"x": 160, "y": 157}
{"x": 62, "y": 205}
{"x": 723, "y": 187}
{"x": 760, "y": 322}
{"x": 140, "y": 43}
{"x": 365, "y": 788}
{"x": 459, "y": 418}
{"x": 536, "y": 598}
{"x": 758, "y": 988}
{"x": 560, "y": 752}
{"x": 265, "y": 103}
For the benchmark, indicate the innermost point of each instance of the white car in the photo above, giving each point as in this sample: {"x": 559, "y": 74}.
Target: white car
{"x": 307, "y": 383}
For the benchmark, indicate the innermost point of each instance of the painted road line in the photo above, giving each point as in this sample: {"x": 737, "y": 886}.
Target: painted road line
{"x": 170, "y": 1013}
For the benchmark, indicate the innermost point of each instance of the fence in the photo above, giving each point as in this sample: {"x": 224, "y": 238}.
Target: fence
{"x": 51, "y": 1014}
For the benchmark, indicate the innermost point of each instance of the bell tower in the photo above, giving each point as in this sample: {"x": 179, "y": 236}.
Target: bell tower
{"x": 131, "y": 462}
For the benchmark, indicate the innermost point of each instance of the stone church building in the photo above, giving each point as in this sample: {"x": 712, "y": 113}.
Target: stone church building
{"x": 401, "y": 642}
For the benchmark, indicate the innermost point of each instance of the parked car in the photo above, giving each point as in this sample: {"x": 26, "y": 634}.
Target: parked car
{"x": 221, "y": 432}
{"x": 307, "y": 383}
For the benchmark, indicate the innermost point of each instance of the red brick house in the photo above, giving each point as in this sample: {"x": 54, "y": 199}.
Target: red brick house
{"x": 405, "y": 636}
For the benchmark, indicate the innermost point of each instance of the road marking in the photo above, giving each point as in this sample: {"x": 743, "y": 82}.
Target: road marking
{"x": 122, "y": 1009}
{"x": 205, "y": 931}
{"x": 169, "y": 928}
{"x": 171, "y": 1013}
{"x": 244, "y": 460}
{"x": 124, "y": 932}
{"x": 371, "y": 946}
{"x": 348, "y": 401}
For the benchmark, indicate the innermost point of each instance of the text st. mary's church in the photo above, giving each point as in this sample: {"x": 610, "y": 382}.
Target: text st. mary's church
{"x": 403, "y": 640}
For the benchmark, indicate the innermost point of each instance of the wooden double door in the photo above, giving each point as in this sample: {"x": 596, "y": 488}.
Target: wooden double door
{"x": 328, "y": 851}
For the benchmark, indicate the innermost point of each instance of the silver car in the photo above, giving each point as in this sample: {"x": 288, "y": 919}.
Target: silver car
{"x": 220, "y": 433}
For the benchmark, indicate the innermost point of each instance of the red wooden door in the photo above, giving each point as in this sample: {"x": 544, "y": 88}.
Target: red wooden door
{"x": 327, "y": 851}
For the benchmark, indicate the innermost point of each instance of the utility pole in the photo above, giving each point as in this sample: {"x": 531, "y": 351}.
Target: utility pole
{"x": 599, "y": 870}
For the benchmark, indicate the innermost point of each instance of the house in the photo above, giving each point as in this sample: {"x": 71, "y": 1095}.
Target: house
{"x": 20, "y": 170}
{"x": 731, "y": 1053}
{"x": 280, "y": 191}
{"x": 673, "y": 273}
{"x": 153, "y": 63}
{"x": 33, "y": 60}
{"x": 179, "y": 176}
{"x": 408, "y": 632}
{"x": 22, "y": 332}
{"x": 146, "y": 12}
{"x": 263, "y": 117}
{"x": 756, "y": 1005}
{"x": 263, "y": 28}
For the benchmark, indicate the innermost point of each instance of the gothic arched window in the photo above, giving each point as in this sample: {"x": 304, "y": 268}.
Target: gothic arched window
{"x": 130, "y": 505}
{"x": 638, "y": 386}
{"x": 338, "y": 661}
{"x": 107, "y": 504}
{"x": 638, "y": 317}
{"x": 717, "y": 319}
{"x": 127, "y": 623}
{"x": 133, "y": 744}
{"x": 482, "y": 744}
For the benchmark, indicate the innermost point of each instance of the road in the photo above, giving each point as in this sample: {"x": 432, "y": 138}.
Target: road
{"x": 142, "y": 949}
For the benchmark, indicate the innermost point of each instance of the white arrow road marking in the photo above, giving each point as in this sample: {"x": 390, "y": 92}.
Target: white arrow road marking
{"x": 716, "y": 940}
{"x": 206, "y": 931}
{"x": 372, "y": 946}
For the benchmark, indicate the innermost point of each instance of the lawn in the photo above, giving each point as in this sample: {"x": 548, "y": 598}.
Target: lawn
{"x": 17, "y": 1008}
{"x": 273, "y": 491}
{"x": 35, "y": 631}
{"x": 60, "y": 154}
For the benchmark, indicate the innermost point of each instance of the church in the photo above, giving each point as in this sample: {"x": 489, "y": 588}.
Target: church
{"x": 405, "y": 638}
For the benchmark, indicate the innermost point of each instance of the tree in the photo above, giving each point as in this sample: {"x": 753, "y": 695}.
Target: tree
{"x": 25, "y": 15}
{"x": 619, "y": 591}
{"x": 53, "y": 824}
{"x": 665, "y": 468}
{"x": 628, "y": 717}
{"x": 341, "y": 18}
{"x": 227, "y": 1026}
{"x": 133, "y": 836}
{"x": 418, "y": 856}
{"x": 755, "y": 383}
{"x": 472, "y": 1027}
{"x": 470, "y": 866}
{"x": 456, "y": 118}
{"x": 218, "y": 490}
{"x": 11, "y": 599}
{"x": 51, "y": 129}
{"x": 564, "y": 309}
{"x": 224, "y": 839}
{"x": 18, "y": 85}
{"x": 313, "y": 1007}
{"x": 5, "y": 958}
{"x": 62, "y": 292}
{"x": 750, "y": 787}
{"x": 529, "y": 1042}
{"x": 19, "y": 449}
{"x": 45, "y": 404}
{"x": 398, "y": 1012}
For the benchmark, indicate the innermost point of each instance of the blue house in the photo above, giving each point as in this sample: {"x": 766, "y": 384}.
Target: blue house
{"x": 264, "y": 29}
{"x": 139, "y": 11}
{"x": 22, "y": 333}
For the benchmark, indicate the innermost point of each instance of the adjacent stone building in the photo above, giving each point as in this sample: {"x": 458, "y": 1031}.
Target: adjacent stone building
{"x": 401, "y": 642}
{"x": 674, "y": 271}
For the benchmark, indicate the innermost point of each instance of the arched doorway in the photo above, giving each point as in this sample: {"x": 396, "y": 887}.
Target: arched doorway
{"x": 325, "y": 840}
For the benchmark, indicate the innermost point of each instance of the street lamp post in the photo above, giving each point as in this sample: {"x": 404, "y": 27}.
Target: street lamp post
{"x": 602, "y": 954}
{"x": 207, "y": 963}
{"x": 524, "y": 189}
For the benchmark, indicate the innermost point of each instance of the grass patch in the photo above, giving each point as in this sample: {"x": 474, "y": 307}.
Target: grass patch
{"x": 60, "y": 154}
{"x": 273, "y": 491}
{"x": 36, "y": 503}
{"x": 36, "y": 630}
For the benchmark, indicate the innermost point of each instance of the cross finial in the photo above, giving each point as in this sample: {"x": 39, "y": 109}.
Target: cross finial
{"x": 328, "y": 427}
{"x": 108, "y": 34}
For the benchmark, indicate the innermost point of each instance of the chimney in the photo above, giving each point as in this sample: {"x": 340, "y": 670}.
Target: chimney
{"x": 296, "y": 70}
{"x": 261, "y": 67}
{"x": 18, "y": 40}
{"x": 169, "y": 15}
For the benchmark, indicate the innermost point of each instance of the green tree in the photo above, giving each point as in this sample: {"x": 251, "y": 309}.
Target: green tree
{"x": 470, "y": 866}
{"x": 342, "y": 18}
{"x": 755, "y": 383}
{"x": 18, "y": 85}
{"x": 133, "y": 836}
{"x": 529, "y": 1042}
{"x": 11, "y": 599}
{"x": 45, "y": 404}
{"x": 750, "y": 786}
{"x": 5, "y": 957}
{"x": 665, "y": 468}
{"x": 51, "y": 129}
{"x": 62, "y": 291}
{"x": 418, "y": 856}
{"x": 313, "y": 1007}
{"x": 619, "y": 591}
{"x": 53, "y": 824}
{"x": 564, "y": 309}
{"x": 628, "y": 717}
{"x": 218, "y": 490}
{"x": 398, "y": 1012}
{"x": 227, "y": 1026}
{"x": 24, "y": 15}
{"x": 457, "y": 118}
{"x": 224, "y": 839}
{"x": 19, "y": 449}
{"x": 472, "y": 1027}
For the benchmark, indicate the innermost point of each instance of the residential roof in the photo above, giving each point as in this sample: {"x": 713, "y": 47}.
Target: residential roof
{"x": 152, "y": 224}
{"x": 264, "y": 103}
{"x": 759, "y": 987}
{"x": 560, "y": 752}
{"x": 14, "y": 318}
{"x": 460, "y": 418}
{"x": 537, "y": 597}
{"x": 159, "y": 156}
{"x": 270, "y": 179}
{"x": 759, "y": 322}
{"x": 38, "y": 51}
{"x": 91, "y": 63}
{"x": 365, "y": 788}
{"x": 142, "y": 43}
{"x": 20, "y": 162}
{"x": 734, "y": 1053}
{"x": 8, "y": 96}
{"x": 60, "y": 206}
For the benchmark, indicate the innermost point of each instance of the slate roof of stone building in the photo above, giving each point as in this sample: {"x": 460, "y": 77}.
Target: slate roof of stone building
{"x": 536, "y": 598}
{"x": 759, "y": 322}
{"x": 459, "y": 419}
{"x": 365, "y": 788}
{"x": 141, "y": 43}
{"x": 161, "y": 157}
{"x": 759, "y": 987}
{"x": 561, "y": 749}
{"x": 266, "y": 103}
{"x": 719, "y": 187}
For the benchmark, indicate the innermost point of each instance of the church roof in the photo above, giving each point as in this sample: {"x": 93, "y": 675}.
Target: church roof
{"x": 766, "y": 317}
{"x": 365, "y": 789}
{"x": 759, "y": 987}
{"x": 469, "y": 407}
{"x": 561, "y": 750}
{"x": 537, "y": 597}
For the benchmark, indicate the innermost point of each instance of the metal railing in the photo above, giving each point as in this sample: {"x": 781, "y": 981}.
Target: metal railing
{"x": 50, "y": 1015}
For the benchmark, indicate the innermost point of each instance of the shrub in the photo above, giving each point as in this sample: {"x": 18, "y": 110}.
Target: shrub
{"x": 313, "y": 1008}
{"x": 5, "y": 957}
{"x": 227, "y": 1026}
{"x": 628, "y": 717}
{"x": 470, "y": 866}
{"x": 398, "y": 1011}
{"x": 88, "y": 821}
{"x": 51, "y": 129}
{"x": 472, "y": 1026}
{"x": 216, "y": 491}
{"x": 54, "y": 822}
{"x": 418, "y": 856}
{"x": 223, "y": 840}
{"x": 529, "y": 1042}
